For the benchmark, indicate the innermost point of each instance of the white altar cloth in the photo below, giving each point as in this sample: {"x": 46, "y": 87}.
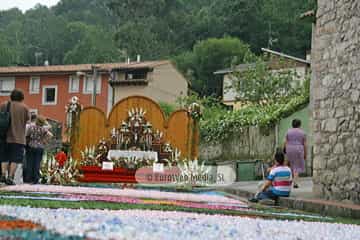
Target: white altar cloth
{"x": 137, "y": 154}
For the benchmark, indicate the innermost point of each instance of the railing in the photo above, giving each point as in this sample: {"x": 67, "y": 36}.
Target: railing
{"x": 130, "y": 81}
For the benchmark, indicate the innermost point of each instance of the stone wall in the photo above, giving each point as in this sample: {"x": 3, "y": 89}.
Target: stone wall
{"x": 252, "y": 144}
{"x": 335, "y": 100}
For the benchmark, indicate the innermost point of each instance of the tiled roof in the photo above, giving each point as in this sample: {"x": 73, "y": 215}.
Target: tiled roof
{"x": 244, "y": 66}
{"x": 310, "y": 13}
{"x": 239, "y": 68}
{"x": 285, "y": 56}
{"x": 79, "y": 67}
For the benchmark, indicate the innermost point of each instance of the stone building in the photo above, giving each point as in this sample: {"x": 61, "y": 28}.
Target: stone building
{"x": 335, "y": 100}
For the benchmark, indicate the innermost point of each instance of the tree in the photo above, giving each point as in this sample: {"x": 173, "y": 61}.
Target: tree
{"x": 44, "y": 34}
{"x": 91, "y": 12}
{"x": 91, "y": 45}
{"x": 156, "y": 29}
{"x": 7, "y": 53}
{"x": 259, "y": 84}
{"x": 209, "y": 56}
{"x": 12, "y": 35}
{"x": 138, "y": 38}
{"x": 282, "y": 17}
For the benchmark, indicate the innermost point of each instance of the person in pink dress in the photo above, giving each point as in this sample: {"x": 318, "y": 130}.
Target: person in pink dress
{"x": 295, "y": 148}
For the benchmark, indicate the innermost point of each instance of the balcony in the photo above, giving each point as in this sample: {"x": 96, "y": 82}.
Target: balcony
{"x": 131, "y": 78}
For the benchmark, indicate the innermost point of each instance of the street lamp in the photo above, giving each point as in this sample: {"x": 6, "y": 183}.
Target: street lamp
{"x": 95, "y": 72}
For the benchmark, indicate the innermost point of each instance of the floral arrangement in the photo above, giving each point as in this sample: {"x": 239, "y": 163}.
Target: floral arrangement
{"x": 91, "y": 157}
{"x": 125, "y": 224}
{"x": 54, "y": 173}
{"x": 175, "y": 158}
{"x": 132, "y": 162}
{"x": 61, "y": 158}
{"x": 73, "y": 106}
{"x": 193, "y": 173}
{"x": 88, "y": 156}
{"x": 194, "y": 110}
{"x": 72, "y": 109}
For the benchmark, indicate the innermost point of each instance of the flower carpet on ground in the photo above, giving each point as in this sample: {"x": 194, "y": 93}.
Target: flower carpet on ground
{"x": 153, "y": 194}
{"x": 143, "y": 224}
{"x": 110, "y": 212}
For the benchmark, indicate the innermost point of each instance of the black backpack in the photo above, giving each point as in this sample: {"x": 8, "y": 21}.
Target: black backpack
{"x": 5, "y": 119}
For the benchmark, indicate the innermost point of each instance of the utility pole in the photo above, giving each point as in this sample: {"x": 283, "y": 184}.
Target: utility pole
{"x": 95, "y": 73}
{"x": 37, "y": 56}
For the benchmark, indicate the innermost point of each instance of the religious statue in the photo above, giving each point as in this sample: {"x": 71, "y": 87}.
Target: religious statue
{"x": 137, "y": 134}
{"x": 148, "y": 136}
{"x": 101, "y": 151}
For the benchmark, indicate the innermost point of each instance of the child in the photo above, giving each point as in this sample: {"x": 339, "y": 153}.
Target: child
{"x": 278, "y": 183}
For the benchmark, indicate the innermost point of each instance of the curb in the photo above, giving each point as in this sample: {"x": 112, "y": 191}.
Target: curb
{"x": 322, "y": 207}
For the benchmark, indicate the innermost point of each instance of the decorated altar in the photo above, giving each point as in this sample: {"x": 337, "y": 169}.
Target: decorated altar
{"x": 136, "y": 134}
{"x": 117, "y": 154}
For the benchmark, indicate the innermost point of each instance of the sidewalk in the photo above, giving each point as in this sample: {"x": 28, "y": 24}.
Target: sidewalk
{"x": 300, "y": 199}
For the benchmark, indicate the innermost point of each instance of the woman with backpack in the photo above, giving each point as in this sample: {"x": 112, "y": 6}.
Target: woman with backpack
{"x": 37, "y": 135}
{"x": 13, "y": 117}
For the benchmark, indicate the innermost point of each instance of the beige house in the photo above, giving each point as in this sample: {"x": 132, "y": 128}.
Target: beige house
{"x": 158, "y": 80}
{"x": 277, "y": 62}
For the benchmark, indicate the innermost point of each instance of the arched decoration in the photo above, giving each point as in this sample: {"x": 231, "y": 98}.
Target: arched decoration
{"x": 154, "y": 114}
{"x": 178, "y": 131}
{"x": 92, "y": 127}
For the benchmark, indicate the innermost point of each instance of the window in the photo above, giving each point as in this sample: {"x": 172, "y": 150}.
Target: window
{"x": 34, "y": 85}
{"x": 138, "y": 75}
{"x": 49, "y": 95}
{"x": 88, "y": 85}
{"x": 74, "y": 84}
{"x": 7, "y": 84}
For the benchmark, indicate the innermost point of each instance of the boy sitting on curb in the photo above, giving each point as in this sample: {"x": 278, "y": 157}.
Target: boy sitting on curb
{"x": 278, "y": 183}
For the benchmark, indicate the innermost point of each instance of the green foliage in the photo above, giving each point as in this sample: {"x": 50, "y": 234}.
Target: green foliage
{"x": 224, "y": 125}
{"x": 63, "y": 34}
{"x": 287, "y": 29}
{"x": 207, "y": 57}
{"x": 139, "y": 39}
{"x": 167, "y": 108}
{"x": 92, "y": 45}
{"x": 202, "y": 35}
{"x": 211, "y": 107}
{"x": 90, "y": 12}
{"x": 7, "y": 53}
{"x": 258, "y": 84}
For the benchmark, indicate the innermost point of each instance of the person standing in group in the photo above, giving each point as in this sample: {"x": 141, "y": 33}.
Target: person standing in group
{"x": 295, "y": 147}
{"x": 38, "y": 135}
{"x": 15, "y": 137}
{"x": 25, "y": 171}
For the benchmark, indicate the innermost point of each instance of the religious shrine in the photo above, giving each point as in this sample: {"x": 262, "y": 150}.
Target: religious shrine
{"x": 136, "y": 134}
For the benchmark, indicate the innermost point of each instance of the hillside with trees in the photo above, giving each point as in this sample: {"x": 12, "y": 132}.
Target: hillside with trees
{"x": 200, "y": 35}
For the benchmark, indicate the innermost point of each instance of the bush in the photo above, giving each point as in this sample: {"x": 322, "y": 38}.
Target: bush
{"x": 167, "y": 108}
{"x": 224, "y": 125}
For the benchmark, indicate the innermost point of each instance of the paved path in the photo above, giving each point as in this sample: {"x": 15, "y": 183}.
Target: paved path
{"x": 301, "y": 198}
{"x": 305, "y": 190}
